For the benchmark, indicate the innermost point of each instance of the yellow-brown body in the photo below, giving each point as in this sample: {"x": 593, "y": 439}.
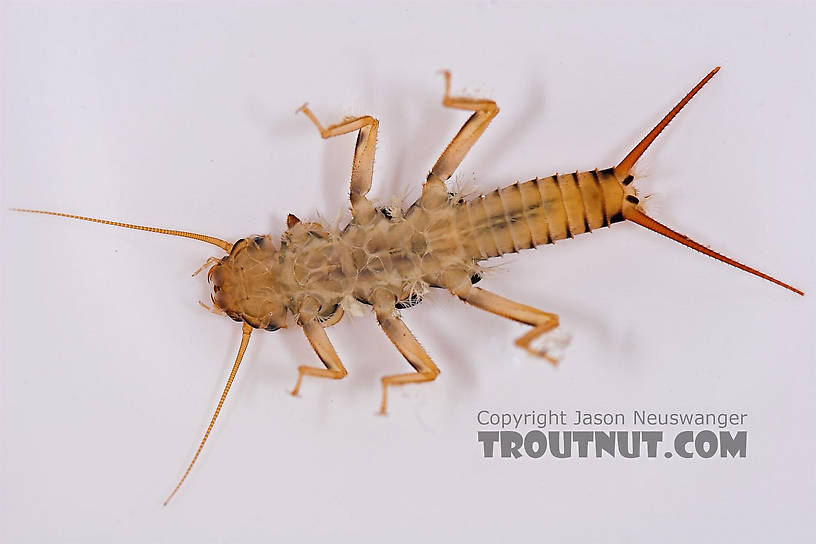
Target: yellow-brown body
{"x": 317, "y": 272}
{"x": 388, "y": 257}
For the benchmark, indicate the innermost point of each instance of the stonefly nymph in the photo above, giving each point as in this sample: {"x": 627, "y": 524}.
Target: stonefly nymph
{"x": 388, "y": 257}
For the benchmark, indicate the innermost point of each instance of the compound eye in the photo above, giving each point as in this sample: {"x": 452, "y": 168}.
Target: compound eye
{"x": 234, "y": 316}
{"x": 274, "y": 320}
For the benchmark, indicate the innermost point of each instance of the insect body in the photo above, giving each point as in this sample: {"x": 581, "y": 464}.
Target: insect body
{"x": 388, "y": 258}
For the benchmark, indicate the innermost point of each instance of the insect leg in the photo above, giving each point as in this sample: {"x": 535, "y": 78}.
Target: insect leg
{"x": 433, "y": 192}
{"x": 362, "y": 168}
{"x": 542, "y": 322}
{"x": 316, "y": 334}
{"x": 247, "y": 330}
{"x": 401, "y": 336}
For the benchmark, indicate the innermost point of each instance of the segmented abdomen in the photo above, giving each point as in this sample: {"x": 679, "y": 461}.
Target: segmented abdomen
{"x": 539, "y": 211}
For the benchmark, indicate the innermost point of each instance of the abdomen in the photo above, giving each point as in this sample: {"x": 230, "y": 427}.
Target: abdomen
{"x": 539, "y": 211}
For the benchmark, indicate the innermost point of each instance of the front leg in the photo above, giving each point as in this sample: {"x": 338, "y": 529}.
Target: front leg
{"x": 316, "y": 335}
{"x": 434, "y": 193}
{"x": 362, "y": 169}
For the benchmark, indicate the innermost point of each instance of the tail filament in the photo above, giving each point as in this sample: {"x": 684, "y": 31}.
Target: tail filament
{"x": 636, "y": 216}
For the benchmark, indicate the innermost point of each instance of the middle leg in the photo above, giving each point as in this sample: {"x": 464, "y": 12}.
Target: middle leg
{"x": 402, "y": 338}
{"x": 362, "y": 169}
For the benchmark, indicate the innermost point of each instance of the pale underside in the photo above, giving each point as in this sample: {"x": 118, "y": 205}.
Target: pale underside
{"x": 388, "y": 258}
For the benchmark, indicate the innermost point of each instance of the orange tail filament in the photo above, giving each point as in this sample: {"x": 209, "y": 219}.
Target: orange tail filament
{"x": 622, "y": 169}
{"x": 636, "y": 216}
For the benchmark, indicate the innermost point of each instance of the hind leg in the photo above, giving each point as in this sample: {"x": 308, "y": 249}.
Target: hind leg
{"x": 542, "y": 322}
{"x": 362, "y": 168}
{"x": 434, "y": 192}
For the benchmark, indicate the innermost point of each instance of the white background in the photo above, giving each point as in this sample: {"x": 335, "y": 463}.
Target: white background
{"x": 183, "y": 116}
